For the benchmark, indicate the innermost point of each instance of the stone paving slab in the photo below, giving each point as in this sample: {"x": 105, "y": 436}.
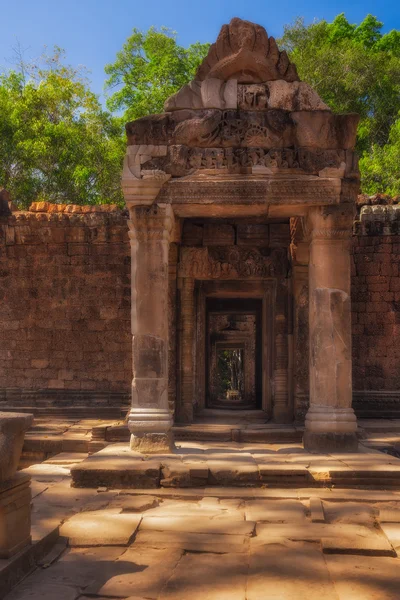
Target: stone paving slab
{"x": 392, "y": 532}
{"x": 194, "y": 542}
{"x": 364, "y": 577}
{"x": 146, "y": 574}
{"x": 288, "y": 571}
{"x": 202, "y": 577}
{"x": 270, "y": 511}
{"x": 193, "y": 524}
{"x": 108, "y": 527}
{"x": 372, "y": 545}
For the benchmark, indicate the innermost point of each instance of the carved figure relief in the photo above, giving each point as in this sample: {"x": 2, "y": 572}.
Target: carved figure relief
{"x": 231, "y": 262}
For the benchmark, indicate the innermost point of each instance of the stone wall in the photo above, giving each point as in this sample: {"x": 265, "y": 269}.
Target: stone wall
{"x": 376, "y": 311}
{"x": 65, "y": 307}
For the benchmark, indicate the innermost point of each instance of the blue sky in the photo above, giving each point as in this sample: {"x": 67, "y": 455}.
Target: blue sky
{"x": 92, "y": 31}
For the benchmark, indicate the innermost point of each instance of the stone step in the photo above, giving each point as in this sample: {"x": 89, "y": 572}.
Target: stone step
{"x": 117, "y": 467}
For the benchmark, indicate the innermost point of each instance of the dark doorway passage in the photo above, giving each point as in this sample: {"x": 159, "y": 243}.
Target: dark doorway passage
{"x": 233, "y": 353}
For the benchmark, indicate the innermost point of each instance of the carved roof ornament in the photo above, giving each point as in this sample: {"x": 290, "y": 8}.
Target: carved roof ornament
{"x": 246, "y": 114}
{"x": 243, "y": 51}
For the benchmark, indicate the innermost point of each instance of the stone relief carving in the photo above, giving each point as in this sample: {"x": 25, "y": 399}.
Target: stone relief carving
{"x": 219, "y": 158}
{"x": 272, "y": 129}
{"x": 243, "y": 51}
{"x": 222, "y": 262}
{"x": 183, "y": 160}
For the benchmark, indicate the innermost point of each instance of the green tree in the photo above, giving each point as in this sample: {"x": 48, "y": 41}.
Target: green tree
{"x": 355, "y": 68}
{"x": 56, "y": 141}
{"x": 150, "y": 67}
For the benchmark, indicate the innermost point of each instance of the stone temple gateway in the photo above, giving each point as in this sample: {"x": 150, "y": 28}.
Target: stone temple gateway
{"x": 241, "y": 199}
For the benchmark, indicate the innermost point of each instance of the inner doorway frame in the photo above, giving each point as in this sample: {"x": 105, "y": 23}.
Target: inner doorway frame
{"x": 235, "y": 306}
{"x": 264, "y": 290}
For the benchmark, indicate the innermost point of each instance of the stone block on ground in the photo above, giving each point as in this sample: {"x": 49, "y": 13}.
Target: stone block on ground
{"x": 101, "y": 528}
{"x": 317, "y": 510}
{"x": 202, "y": 576}
{"x": 117, "y": 467}
{"x": 353, "y": 539}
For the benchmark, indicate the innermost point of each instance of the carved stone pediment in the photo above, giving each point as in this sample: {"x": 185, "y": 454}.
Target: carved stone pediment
{"x": 243, "y": 51}
{"x": 232, "y": 262}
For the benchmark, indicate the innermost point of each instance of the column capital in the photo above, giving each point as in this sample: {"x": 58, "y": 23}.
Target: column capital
{"x": 151, "y": 223}
{"x": 330, "y": 222}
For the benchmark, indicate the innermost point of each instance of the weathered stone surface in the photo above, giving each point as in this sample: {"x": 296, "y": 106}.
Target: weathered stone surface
{"x": 364, "y": 578}
{"x": 322, "y": 129}
{"x": 317, "y": 510}
{"x": 282, "y": 511}
{"x": 291, "y": 570}
{"x": 350, "y": 537}
{"x": 139, "y": 504}
{"x": 146, "y": 572}
{"x": 294, "y": 96}
{"x": 12, "y": 431}
{"x": 200, "y": 576}
{"x": 101, "y": 528}
{"x": 224, "y": 525}
{"x": 350, "y": 512}
{"x": 118, "y": 471}
{"x": 193, "y": 542}
{"x": 44, "y": 592}
{"x": 392, "y": 532}
{"x": 368, "y": 545}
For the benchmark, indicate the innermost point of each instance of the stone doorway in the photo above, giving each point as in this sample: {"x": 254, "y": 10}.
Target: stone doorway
{"x": 234, "y": 353}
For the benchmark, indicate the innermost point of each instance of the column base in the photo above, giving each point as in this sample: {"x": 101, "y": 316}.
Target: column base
{"x": 153, "y": 443}
{"x": 330, "y": 429}
{"x": 329, "y": 442}
{"x": 151, "y": 430}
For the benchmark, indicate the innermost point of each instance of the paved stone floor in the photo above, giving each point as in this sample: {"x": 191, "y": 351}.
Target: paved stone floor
{"x": 211, "y": 543}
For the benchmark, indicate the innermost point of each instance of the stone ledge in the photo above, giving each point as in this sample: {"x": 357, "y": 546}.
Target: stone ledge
{"x": 237, "y": 465}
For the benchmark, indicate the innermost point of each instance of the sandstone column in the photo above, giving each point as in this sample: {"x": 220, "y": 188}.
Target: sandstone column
{"x": 330, "y": 422}
{"x": 150, "y": 419}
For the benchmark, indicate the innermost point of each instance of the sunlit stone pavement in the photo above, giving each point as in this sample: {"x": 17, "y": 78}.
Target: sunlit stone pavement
{"x": 212, "y": 543}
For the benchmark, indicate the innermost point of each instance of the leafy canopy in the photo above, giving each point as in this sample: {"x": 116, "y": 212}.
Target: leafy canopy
{"x": 356, "y": 68}
{"x": 56, "y": 142}
{"x": 150, "y": 67}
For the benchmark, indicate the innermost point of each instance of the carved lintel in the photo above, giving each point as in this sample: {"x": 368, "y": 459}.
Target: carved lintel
{"x": 231, "y": 262}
